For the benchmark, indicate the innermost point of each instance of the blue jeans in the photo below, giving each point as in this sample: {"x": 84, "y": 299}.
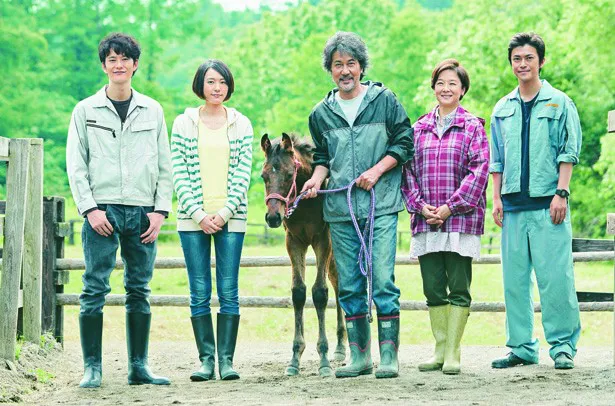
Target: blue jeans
{"x": 197, "y": 251}
{"x": 352, "y": 283}
{"x": 530, "y": 241}
{"x": 128, "y": 223}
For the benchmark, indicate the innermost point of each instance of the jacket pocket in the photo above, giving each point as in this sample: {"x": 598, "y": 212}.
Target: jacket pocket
{"x": 102, "y": 139}
{"x": 145, "y": 137}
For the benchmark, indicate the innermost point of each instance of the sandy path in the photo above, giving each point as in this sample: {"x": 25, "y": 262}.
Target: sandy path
{"x": 263, "y": 382}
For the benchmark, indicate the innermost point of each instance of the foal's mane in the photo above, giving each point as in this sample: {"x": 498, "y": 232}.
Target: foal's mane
{"x": 301, "y": 145}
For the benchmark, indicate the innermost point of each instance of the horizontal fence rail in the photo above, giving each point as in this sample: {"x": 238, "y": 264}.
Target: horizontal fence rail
{"x": 72, "y": 264}
{"x": 286, "y": 303}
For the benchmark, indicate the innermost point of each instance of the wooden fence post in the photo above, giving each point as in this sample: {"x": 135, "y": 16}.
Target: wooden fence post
{"x": 33, "y": 245}
{"x": 610, "y": 230}
{"x": 16, "y": 193}
{"x": 53, "y": 248}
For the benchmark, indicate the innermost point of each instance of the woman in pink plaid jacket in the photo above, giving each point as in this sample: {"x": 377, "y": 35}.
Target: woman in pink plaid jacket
{"x": 444, "y": 188}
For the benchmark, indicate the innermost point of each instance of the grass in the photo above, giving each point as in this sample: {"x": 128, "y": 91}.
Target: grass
{"x": 43, "y": 376}
{"x": 259, "y": 324}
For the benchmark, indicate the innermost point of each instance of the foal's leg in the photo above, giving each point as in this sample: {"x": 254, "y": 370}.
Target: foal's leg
{"x": 320, "y": 296}
{"x": 340, "y": 349}
{"x": 296, "y": 252}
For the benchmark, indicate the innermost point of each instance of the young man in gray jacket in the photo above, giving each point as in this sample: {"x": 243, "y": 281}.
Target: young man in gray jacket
{"x": 361, "y": 133}
{"x": 119, "y": 169}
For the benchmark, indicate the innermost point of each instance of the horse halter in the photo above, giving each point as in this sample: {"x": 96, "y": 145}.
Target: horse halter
{"x": 292, "y": 193}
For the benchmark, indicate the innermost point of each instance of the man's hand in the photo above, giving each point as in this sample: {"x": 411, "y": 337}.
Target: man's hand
{"x": 370, "y": 177}
{"x": 498, "y": 212}
{"x": 208, "y": 226}
{"x": 558, "y": 208}
{"x": 312, "y": 185}
{"x": 98, "y": 221}
{"x": 155, "y": 223}
{"x": 429, "y": 212}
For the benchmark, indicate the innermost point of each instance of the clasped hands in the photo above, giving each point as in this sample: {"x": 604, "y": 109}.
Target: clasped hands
{"x": 436, "y": 216}
{"x": 211, "y": 223}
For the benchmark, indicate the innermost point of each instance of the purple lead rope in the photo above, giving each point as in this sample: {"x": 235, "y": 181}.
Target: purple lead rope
{"x": 366, "y": 238}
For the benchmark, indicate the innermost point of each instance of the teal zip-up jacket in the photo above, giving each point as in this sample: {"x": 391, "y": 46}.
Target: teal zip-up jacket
{"x": 555, "y": 137}
{"x": 381, "y": 128}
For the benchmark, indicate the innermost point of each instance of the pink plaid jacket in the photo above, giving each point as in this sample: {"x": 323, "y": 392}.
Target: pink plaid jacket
{"x": 452, "y": 170}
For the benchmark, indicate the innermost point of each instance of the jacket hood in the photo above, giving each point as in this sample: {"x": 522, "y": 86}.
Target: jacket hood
{"x": 193, "y": 114}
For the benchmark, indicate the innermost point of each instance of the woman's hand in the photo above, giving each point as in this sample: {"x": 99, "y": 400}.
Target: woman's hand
{"x": 208, "y": 226}
{"x": 443, "y": 212}
{"x": 430, "y": 214}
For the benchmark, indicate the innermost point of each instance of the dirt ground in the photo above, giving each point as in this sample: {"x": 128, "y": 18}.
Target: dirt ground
{"x": 262, "y": 382}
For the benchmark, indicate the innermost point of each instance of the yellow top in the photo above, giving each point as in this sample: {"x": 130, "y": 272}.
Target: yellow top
{"x": 214, "y": 156}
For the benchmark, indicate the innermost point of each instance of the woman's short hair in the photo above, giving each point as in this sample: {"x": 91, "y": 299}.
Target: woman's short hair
{"x": 346, "y": 43}
{"x": 451, "y": 64}
{"x": 199, "y": 77}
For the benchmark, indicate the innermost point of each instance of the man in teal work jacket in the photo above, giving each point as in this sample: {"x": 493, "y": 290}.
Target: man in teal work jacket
{"x": 536, "y": 140}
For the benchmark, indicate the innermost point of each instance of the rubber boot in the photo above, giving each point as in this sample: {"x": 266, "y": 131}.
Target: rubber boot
{"x": 438, "y": 316}
{"x": 359, "y": 340}
{"x": 205, "y": 343}
{"x": 457, "y": 320}
{"x": 227, "y": 327}
{"x": 137, "y": 340}
{"x": 90, "y": 327}
{"x": 388, "y": 337}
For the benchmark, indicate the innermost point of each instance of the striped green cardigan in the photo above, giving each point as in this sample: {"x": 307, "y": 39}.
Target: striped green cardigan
{"x": 187, "y": 172}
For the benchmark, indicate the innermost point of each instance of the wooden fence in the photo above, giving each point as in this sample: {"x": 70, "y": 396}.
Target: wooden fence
{"x": 20, "y": 290}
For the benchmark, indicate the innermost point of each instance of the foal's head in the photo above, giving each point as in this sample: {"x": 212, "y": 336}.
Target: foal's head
{"x": 283, "y": 172}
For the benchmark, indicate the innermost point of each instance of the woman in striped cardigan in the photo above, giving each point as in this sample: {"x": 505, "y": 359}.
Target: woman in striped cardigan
{"x": 211, "y": 149}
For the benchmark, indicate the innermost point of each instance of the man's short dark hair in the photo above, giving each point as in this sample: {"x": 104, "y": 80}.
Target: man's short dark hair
{"x": 199, "y": 77}
{"x": 121, "y": 44}
{"x": 451, "y": 64}
{"x": 345, "y": 43}
{"x": 527, "y": 38}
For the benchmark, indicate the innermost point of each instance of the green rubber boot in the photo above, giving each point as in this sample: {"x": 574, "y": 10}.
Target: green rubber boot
{"x": 227, "y": 327}
{"x": 204, "y": 335}
{"x": 457, "y": 320}
{"x": 438, "y": 316}
{"x": 90, "y": 327}
{"x": 388, "y": 337}
{"x": 359, "y": 340}
{"x": 137, "y": 340}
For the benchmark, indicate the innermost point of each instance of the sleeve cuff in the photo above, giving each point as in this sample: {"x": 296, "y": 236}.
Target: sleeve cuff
{"x": 225, "y": 213}
{"x": 496, "y": 167}
{"x": 164, "y": 213}
{"x": 198, "y": 215}
{"x": 568, "y": 158}
{"x": 395, "y": 156}
{"x": 87, "y": 205}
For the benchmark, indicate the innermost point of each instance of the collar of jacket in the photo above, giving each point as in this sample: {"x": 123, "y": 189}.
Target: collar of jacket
{"x": 545, "y": 93}
{"x": 193, "y": 114}
{"x": 427, "y": 122}
{"x": 101, "y": 99}
{"x": 374, "y": 89}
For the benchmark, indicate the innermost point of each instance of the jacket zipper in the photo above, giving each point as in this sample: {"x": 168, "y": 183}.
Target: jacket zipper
{"x": 102, "y": 128}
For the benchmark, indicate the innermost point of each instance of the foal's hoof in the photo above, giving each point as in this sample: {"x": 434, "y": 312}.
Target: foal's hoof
{"x": 325, "y": 372}
{"x": 292, "y": 371}
{"x": 339, "y": 354}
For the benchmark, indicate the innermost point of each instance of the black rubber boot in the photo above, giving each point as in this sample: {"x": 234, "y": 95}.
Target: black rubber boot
{"x": 90, "y": 327}
{"x": 359, "y": 340}
{"x": 137, "y": 340}
{"x": 227, "y": 327}
{"x": 388, "y": 337}
{"x": 204, "y": 335}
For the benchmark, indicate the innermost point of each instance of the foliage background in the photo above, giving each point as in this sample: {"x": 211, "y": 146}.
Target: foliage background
{"x": 49, "y": 59}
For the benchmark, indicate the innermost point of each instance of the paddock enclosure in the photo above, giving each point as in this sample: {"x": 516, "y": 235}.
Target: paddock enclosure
{"x": 34, "y": 270}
